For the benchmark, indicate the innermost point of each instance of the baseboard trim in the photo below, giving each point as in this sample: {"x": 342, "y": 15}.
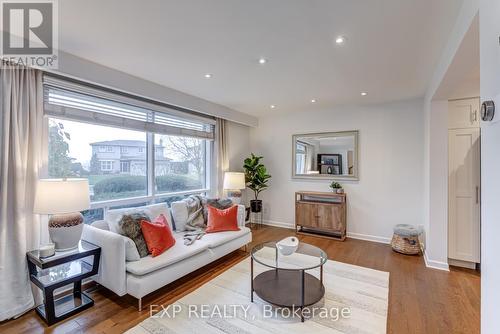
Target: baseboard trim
{"x": 368, "y": 237}
{"x": 278, "y": 224}
{"x": 359, "y": 236}
{"x": 435, "y": 264}
{"x": 373, "y": 238}
{"x": 462, "y": 264}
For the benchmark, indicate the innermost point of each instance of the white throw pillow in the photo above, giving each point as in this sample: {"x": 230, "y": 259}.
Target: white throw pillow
{"x": 153, "y": 211}
{"x": 131, "y": 252}
{"x": 180, "y": 215}
{"x": 113, "y": 217}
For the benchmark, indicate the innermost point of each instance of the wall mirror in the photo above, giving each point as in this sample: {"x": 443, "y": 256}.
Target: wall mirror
{"x": 330, "y": 155}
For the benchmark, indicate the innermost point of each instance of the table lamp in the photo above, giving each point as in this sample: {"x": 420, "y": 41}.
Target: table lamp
{"x": 63, "y": 199}
{"x": 233, "y": 183}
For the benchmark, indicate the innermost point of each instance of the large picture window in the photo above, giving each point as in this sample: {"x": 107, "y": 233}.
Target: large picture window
{"x": 135, "y": 158}
{"x": 74, "y": 151}
{"x": 180, "y": 163}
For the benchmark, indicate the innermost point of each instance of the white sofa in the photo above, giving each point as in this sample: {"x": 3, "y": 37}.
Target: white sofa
{"x": 139, "y": 278}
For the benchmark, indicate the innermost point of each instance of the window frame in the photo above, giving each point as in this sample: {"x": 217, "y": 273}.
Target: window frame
{"x": 152, "y": 196}
{"x": 124, "y": 163}
{"x": 105, "y": 162}
{"x": 162, "y": 118}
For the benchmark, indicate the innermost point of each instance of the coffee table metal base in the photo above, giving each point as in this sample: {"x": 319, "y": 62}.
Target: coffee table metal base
{"x": 288, "y": 288}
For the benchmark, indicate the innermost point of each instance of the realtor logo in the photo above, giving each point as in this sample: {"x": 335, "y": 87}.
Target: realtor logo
{"x": 29, "y": 32}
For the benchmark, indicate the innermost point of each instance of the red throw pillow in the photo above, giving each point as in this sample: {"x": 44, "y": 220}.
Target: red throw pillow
{"x": 222, "y": 220}
{"x": 158, "y": 235}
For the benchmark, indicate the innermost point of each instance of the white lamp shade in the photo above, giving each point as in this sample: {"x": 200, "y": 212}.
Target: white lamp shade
{"x": 234, "y": 181}
{"x": 57, "y": 196}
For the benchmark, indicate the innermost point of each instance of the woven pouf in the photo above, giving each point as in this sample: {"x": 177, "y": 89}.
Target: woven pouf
{"x": 405, "y": 239}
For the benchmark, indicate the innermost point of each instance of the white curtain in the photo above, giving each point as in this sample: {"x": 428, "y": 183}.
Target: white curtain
{"x": 221, "y": 157}
{"x": 21, "y": 130}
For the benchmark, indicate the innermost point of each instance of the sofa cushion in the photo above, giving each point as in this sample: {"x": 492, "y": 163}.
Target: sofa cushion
{"x": 130, "y": 225}
{"x": 113, "y": 217}
{"x": 222, "y": 220}
{"x": 131, "y": 252}
{"x": 173, "y": 255}
{"x": 213, "y": 240}
{"x": 179, "y": 214}
{"x": 158, "y": 235}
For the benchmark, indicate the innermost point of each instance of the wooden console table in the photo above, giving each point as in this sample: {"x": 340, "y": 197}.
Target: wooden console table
{"x": 321, "y": 213}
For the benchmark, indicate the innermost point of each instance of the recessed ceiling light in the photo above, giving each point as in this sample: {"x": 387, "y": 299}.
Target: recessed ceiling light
{"x": 340, "y": 40}
{"x": 262, "y": 61}
{"x": 208, "y": 75}
{"x": 272, "y": 106}
{"x": 364, "y": 93}
{"x": 313, "y": 101}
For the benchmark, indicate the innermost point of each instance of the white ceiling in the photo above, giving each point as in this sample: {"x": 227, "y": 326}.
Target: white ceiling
{"x": 462, "y": 79}
{"x": 391, "y": 50}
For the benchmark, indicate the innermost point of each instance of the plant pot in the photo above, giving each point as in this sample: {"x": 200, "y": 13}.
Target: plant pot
{"x": 256, "y": 205}
{"x": 340, "y": 190}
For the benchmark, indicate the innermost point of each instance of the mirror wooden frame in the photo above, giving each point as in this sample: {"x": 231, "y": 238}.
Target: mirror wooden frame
{"x": 354, "y": 177}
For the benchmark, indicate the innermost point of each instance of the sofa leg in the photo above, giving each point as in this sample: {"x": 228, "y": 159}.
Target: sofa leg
{"x": 139, "y": 304}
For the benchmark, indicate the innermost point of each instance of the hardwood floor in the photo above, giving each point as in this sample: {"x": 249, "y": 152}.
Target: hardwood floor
{"x": 421, "y": 300}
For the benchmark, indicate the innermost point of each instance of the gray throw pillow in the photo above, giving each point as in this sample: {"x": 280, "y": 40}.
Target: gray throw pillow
{"x": 221, "y": 204}
{"x": 131, "y": 227}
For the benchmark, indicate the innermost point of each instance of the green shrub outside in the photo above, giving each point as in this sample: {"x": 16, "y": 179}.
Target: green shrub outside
{"x": 132, "y": 183}
{"x": 120, "y": 184}
{"x": 176, "y": 182}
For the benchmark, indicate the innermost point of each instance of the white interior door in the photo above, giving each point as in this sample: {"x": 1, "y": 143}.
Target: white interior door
{"x": 464, "y": 195}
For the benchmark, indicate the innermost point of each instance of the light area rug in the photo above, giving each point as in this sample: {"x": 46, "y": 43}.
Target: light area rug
{"x": 223, "y": 305}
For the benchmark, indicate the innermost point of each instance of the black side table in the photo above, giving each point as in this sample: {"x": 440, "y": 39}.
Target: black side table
{"x": 63, "y": 268}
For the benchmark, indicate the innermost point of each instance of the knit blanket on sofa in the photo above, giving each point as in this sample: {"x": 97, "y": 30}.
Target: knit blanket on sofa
{"x": 196, "y": 219}
{"x": 197, "y": 207}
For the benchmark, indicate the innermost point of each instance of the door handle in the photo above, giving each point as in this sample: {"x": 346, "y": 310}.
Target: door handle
{"x": 475, "y": 115}
{"x": 477, "y": 194}
{"x": 471, "y": 118}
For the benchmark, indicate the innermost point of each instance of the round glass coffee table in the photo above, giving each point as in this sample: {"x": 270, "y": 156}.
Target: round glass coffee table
{"x": 287, "y": 284}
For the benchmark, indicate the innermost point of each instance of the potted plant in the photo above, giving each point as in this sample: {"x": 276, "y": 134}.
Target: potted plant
{"x": 336, "y": 187}
{"x": 256, "y": 178}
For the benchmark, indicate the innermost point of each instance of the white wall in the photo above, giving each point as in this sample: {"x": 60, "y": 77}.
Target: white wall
{"x": 490, "y": 170}
{"x": 436, "y": 247}
{"x": 238, "y": 148}
{"x": 238, "y": 145}
{"x": 435, "y": 159}
{"x": 391, "y": 147}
